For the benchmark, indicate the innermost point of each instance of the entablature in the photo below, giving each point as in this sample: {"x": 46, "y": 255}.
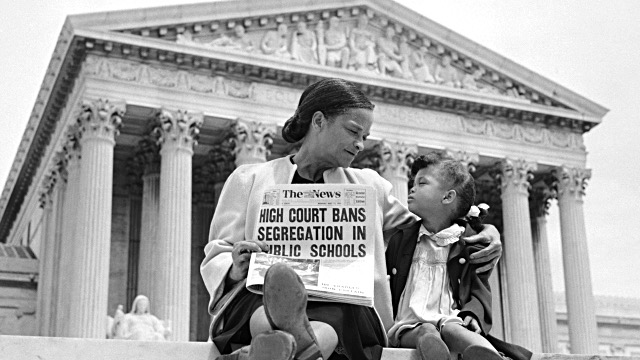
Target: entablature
{"x": 259, "y": 68}
{"x": 265, "y": 28}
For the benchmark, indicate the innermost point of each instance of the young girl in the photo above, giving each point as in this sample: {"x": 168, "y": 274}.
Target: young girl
{"x": 440, "y": 304}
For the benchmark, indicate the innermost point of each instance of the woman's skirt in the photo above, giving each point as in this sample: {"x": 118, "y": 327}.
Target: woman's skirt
{"x": 360, "y": 333}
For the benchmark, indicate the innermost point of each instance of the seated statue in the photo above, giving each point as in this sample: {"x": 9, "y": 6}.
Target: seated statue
{"x": 389, "y": 58}
{"x": 274, "y": 42}
{"x": 139, "y": 324}
{"x": 333, "y": 47}
{"x": 419, "y": 66}
{"x": 304, "y": 44}
{"x": 446, "y": 74}
{"x": 362, "y": 46}
{"x": 405, "y": 52}
{"x": 470, "y": 81}
{"x": 239, "y": 40}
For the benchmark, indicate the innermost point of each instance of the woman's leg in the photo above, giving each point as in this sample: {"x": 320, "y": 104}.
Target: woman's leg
{"x": 325, "y": 334}
{"x": 458, "y": 338}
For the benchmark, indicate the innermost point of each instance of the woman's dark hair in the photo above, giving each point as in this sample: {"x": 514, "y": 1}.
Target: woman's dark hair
{"x": 450, "y": 172}
{"x": 331, "y": 97}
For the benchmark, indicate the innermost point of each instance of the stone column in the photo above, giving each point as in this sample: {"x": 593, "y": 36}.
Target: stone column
{"x": 539, "y": 205}
{"x": 65, "y": 256}
{"x": 51, "y": 196}
{"x": 583, "y": 333}
{"x": 170, "y": 290}
{"x": 252, "y": 141}
{"x": 520, "y": 274}
{"x": 99, "y": 122}
{"x": 395, "y": 166}
{"x": 148, "y": 262}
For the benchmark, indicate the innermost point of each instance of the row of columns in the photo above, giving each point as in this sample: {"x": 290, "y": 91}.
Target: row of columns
{"x": 526, "y": 251}
{"x": 82, "y": 207}
{"x": 74, "y": 301}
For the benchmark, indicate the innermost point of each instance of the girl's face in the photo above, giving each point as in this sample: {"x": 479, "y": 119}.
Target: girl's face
{"x": 341, "y": 138}
{"x": 428, "y": 192}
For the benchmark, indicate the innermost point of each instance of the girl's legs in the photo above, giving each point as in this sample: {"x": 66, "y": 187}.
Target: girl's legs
{"x": 427, "y": 340}
{"x": 458, "y": 339}
{"x": 326, "y": 336}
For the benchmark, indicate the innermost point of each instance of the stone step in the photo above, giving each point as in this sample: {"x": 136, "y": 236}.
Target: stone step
{"x": 50, "y": 348}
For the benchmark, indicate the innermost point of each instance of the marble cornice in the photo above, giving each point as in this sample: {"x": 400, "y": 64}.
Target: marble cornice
{"x": 54, "y": 92}
{"x": 168, "y": 21}
{"x": 259, "y": 68}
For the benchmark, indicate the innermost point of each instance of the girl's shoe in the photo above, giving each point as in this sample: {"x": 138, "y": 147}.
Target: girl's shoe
{"x": 431, "y": 347}
{"x": 285, "y": 304}
{"x": 477, "y": 352}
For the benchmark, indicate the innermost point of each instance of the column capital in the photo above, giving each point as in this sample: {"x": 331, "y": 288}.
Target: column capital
{"x": 46, "y": 193}
{"x": 396, "y": 158}
{"x": 178, "y": 129}
{"x": 252, "y": 141}
{"x": 100, "y": 119}
{"x": 71, "y": 147}
{"x": 469, "y": 159}
{"x": 539, "y": 201}
{"x": 572, "y": 181}
{"x": 515, "y": 175}
{"x": 221, "y": 161}
{"x": 56, "y": 175}
{"x": 148, "y": 154}
{"x": 543, "y": 190}
{"x": 369, "y": 158}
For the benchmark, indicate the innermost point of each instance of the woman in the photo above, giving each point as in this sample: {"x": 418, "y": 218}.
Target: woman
{"x": 332, "y": 121}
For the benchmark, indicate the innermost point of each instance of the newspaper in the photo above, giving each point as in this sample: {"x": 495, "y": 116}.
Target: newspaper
{"x": 325, "y": 232}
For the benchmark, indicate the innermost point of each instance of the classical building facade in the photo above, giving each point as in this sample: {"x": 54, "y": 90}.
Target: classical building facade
{"x": 144, "y": 113}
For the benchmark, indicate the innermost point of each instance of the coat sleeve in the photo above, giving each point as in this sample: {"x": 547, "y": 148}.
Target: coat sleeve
{"x": 227, "y": 228}
{"x": 394, "y": 212}
{"x": 475, "y": 292}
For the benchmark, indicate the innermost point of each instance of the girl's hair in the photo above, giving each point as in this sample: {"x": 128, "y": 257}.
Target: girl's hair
{"x": 454, "y": 174}
{"x": 329, "y": 96}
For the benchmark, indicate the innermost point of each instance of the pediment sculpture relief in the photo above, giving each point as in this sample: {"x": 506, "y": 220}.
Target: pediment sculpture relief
{"x": 361, "y": 42}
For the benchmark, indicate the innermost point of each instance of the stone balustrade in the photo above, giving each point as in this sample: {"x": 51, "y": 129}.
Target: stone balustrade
{"x": 50, "y": 348}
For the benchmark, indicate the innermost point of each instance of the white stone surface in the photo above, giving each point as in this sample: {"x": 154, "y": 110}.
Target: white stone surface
{"x": 524, "y": 316}
{"x": 583, "y": 332}
{"x": 171, "y": 287}
{"x": 546, "y": 301}
{"x": 148, "y": 259}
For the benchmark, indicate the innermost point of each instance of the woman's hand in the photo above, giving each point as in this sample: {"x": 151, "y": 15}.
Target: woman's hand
{"x": 241, "y": 254}
{"x": 491, "y": 254}
{"x": 472, "y": 324}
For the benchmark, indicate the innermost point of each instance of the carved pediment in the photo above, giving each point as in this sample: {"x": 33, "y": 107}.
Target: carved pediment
{"x": 355, "y": 38}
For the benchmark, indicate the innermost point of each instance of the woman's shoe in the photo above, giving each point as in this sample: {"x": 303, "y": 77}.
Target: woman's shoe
{"x": 477, "y": 352}
{"x": 285, "y": 304}
{"x": 270, "y": 345}
{"x": 432, "y": 347}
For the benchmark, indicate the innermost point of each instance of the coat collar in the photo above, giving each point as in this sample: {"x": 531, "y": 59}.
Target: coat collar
{"x": 410, "y": 236}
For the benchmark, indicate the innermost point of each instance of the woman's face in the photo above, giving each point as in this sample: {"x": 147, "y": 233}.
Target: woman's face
{"x": 341, "y": 138}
